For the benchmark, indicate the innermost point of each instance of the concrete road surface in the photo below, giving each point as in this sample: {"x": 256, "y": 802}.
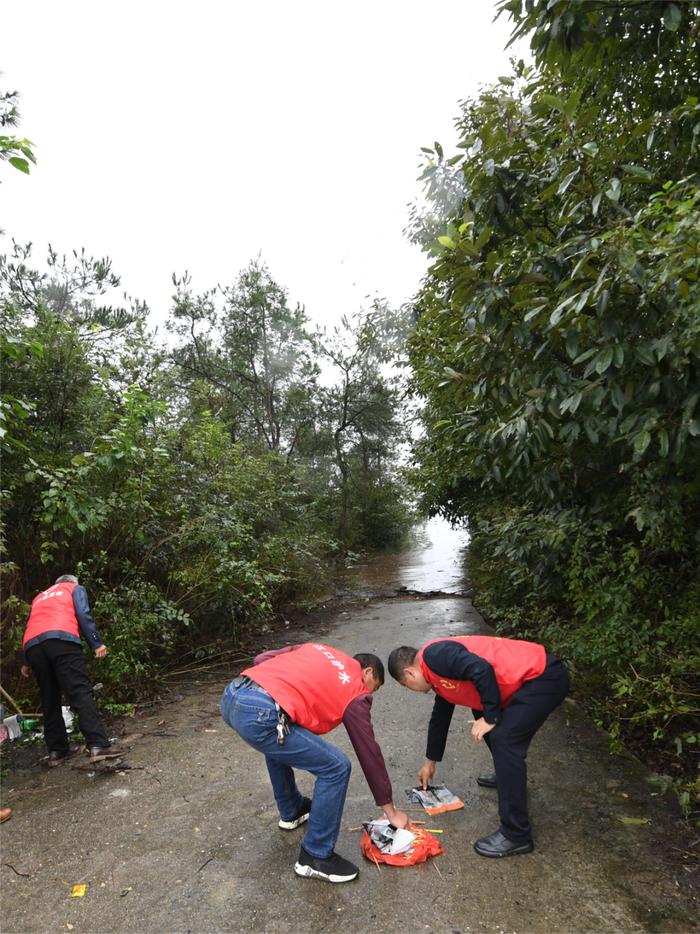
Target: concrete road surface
{"x": 187, "y": 840}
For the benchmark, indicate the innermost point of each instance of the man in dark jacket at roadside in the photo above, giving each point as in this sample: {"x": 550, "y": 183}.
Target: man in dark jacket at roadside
{"x": 53, "y": 651}
{"x": 511, "y": 686}
{"x": 282, "y": 706}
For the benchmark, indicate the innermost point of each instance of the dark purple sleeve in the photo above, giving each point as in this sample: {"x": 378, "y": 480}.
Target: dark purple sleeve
{"x": 263, "y": 657}
{"x": 358, "y": 722}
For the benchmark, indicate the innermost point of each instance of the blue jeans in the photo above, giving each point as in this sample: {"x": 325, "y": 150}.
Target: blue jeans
{"x": 252, "y": 714}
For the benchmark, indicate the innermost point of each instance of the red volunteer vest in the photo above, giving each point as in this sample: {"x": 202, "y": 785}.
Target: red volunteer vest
{"x": 52, "y": 611}
{"x": 514, "y": 662}
{"x": 313, "y": 684}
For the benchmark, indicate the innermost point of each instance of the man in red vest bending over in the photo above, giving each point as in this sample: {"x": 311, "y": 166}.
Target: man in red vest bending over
{"x": 53, "y": 651}
{"x": 282, "y": 706}
{"x": 512, "y": 686}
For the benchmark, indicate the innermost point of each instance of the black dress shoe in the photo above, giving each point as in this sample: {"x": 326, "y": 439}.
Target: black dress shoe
{"x": 487, "y": 780}
{"x": 497, "y": 845}
{"x": 98, "y": 753}
{"x": 57, "y": 756}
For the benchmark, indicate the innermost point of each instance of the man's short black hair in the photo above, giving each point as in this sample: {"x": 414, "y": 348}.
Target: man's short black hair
{"x": 367, "y": 660}
{"x": 400, "y": 659}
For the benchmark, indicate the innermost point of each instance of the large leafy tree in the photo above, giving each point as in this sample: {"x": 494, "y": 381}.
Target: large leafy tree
{"x": 360, "y": 418}
{"x": 65, "y": 380}
{"x": 252, "y": 354}
{"x": 196, "y": 491}
{"x": 558, "y": 344}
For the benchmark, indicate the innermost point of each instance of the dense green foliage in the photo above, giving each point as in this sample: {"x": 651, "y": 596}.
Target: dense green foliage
{"x": 19, "y": 152}
{"x": 195, "y": 489}
{"x": 558, "y": 353}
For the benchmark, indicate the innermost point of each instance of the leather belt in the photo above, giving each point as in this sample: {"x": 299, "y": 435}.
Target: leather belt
{"x": 284, "y": 721}
{"x": 243, "y": 681}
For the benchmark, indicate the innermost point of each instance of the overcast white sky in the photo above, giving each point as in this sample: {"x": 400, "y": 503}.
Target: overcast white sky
{"x": 175, "y": 136}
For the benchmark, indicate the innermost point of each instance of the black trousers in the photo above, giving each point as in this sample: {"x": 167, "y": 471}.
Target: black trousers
{"x": 59, "y": 666}
{"x": 525, "y": 713}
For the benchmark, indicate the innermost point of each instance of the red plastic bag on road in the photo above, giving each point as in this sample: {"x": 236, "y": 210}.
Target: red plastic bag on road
{"x": 424, "y": 846}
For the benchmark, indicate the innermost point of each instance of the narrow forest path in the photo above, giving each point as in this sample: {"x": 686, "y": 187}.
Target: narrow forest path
{"x": 186, "y": 841}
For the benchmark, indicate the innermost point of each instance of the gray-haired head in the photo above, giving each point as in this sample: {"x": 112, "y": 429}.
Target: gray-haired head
{"x": 67, "y": 579}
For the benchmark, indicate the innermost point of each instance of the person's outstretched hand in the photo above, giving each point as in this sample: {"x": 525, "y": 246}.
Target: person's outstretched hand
{"x": 395, "y": 817}
{"x": 100, "y": 651}
{"x": 425, "y": 776}
{"x": 401, "y": 819}
{"x": 25, "y": 671}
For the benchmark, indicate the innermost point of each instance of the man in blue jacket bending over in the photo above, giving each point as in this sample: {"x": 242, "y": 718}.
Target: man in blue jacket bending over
{"x": 53, "y": 652}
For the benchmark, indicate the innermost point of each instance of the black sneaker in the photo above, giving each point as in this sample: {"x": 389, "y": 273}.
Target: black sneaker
{"x": 487, "y": 780}
{"x": 300, "y": 819}
{"x": 333, "y": 869}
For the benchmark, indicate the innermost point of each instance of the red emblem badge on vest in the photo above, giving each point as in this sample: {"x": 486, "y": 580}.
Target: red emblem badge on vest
{"x": 449, "y": 685}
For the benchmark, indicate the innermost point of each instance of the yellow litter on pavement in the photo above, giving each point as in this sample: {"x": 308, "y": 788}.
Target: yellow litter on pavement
{"x": 78, "y": 891}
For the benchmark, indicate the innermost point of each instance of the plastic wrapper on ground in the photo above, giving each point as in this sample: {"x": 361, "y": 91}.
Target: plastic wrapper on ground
{"x": 383, "y": 843}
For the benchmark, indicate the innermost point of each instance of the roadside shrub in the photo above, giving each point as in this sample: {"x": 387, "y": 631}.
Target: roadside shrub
{"x": 140, "y": 629}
